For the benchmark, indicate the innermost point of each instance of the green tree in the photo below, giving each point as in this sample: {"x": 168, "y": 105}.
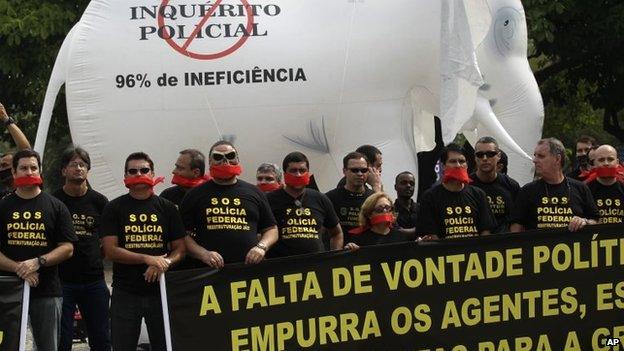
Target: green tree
{"x": 31, "y": 33}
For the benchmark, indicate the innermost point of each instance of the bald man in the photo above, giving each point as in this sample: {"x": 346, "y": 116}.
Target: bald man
{"x": 607, "y": 189}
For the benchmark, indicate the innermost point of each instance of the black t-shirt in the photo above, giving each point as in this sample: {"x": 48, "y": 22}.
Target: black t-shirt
{"x": 300, "y": 222}
{"x": 174, "y": 194}
{"x": 501, "y": 194}
{"x": 541, "y": 205}
{"x": 406, "y": 217}
{"x": 454, "y": 214}
{"x": 227, "y": 218}
{"x": 85, "y": 266}
{"x": 33, "y": 227}
{"x": 141, "y": 226}
{"x": 347, "y": 206}
{"x": 369, "y": 237}
{"x": 609, "y": 200}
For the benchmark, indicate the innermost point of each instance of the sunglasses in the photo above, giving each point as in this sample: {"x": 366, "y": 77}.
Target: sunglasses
{"x": 489, "y": 154}
{"x": 135, "y": 171}
{"x": 359, "y": 170}
{"x": 219, "y": 156}
{"x": 382, "y": 209}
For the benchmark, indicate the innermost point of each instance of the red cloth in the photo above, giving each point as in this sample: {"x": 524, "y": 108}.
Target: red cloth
{"x": 143, "y": 179}
{"x": 267, "y": 187}
{"x": 604, "y": 172}
{"x": 387, "y": 218}
{"x": 458, "y": 174}
{"x": 27, "y": 180}
{"x": 293, "y": 180}
{"x": 225, "y": 171}
{"x": 189, "y": 182}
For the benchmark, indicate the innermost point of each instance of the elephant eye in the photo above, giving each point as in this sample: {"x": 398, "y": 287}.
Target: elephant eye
{"x": 506, "y": 23}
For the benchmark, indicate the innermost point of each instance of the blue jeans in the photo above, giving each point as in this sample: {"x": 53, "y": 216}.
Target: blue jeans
{"x": 127, "y": 311}
{"x": 45, "y": 316}
{"x": 92, "y": 300}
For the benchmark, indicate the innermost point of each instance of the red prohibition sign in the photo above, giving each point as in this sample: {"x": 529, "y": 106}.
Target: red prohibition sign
{"x": 184, "y": 48}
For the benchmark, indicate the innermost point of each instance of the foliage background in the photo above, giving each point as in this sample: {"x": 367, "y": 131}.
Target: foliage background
{"x": 575, "y": 49}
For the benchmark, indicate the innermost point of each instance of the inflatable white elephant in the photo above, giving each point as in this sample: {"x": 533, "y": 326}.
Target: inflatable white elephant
{"x": 321, "y": 77}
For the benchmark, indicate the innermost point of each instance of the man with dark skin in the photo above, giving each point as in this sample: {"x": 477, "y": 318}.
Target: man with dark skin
{"x": 404, "y": 206}
{"x": 6, "y": 159}
{"x": 143, "y": 236}
{"x": 454, "y": 208}
{"x": 189, "y": 171}
{"x": 554, "y": 200}
{"x": 500, "y": 189}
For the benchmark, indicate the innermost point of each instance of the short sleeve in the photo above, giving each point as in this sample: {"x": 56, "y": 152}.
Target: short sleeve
{"x": 64, "y": 226}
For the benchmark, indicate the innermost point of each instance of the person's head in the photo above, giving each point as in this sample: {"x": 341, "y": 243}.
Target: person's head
{"x": 296, "y": 170}
{"x": 138, "y": 164}
{"x": 26, "y": 163}
{"x": 501, "y": 166}
{"x": 453, "y": 157}
{"x": 583, "y": 144}
{"x": 378, "y": 203}
{"x": 6, "y": 176}
{"x": 487, "y": 154}
{"x": 605, "y": 156}
{"x": 268, "y": 173}
{"x": 191, "y": 163}
{"x": 373, "y": 155}
{"x": 223, "y": 152}
{"x": 355, "y": 169}
{"x": 549, "y": 157}
{"x": 404, "y": 184}
{"x": 75, "y": 164}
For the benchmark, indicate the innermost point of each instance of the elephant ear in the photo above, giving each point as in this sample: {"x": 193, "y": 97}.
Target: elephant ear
{"x": 464, "y": 26}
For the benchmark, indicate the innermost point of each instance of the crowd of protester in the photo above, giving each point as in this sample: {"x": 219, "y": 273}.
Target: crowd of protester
{"x": 210, "y": 217}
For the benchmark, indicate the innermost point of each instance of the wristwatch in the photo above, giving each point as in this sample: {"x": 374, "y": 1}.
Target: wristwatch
{"x": 42, "y": 261}
{"x": 262, "y": 246}
{"x": 9, "y": 121}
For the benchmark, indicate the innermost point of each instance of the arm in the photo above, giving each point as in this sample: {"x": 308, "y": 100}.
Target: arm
{"x": 178, "y": 248}
{"x": 63, "y": 251}
{"x": 337, "y": 237}
{"x": 117, "y": 254}
{"x": 256, "y": 254}
{"x": 516, "y": 228}
{"x": 18, "y": 136}
{"x": 210, "y": 258}
{"x": 374, "y": 179}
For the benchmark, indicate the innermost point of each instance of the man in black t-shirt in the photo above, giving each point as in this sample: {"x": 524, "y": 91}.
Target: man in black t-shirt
{"x": 454, "y": 208}
{"x": 82, "y": 276}
{"x": 36, "y": 234}
{"x": 348, "y": 199}
{"x": 225, "y": 215}
{"x": 143, "y": 236}
{"x": 554, "y": 201}
{"x": 404, "y": 206}
{"x": 302, "y": 213}
{"x": 607, "y": 188}
{"x": 500, "y": 189}
{"x": 189, "y": 172}
{"x": 583, "y": 145}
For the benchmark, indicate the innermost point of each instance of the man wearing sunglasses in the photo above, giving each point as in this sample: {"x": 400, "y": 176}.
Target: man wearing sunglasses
{"x": 82, "y": 275}
{"x": 454, "y": 208}
{"x": 605, "y": 181}
{"x": 302, "y": 214}
{"x": 143, "y": 236}
{"x": 500, "y": 189}
{"x": 348, "y": 199}
{"x": 225, "y": 215}
{"x": 189, "y": 171}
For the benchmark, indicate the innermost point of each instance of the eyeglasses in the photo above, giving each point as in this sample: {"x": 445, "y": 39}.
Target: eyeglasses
{"x": 489, "y": 154}
{"x": 266, "y": 179}
{"x": 219, "y": 156}
{"x": 135, "y": 171}
{"x": 382, "y": 209}
{"x": 359, "y": 170}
